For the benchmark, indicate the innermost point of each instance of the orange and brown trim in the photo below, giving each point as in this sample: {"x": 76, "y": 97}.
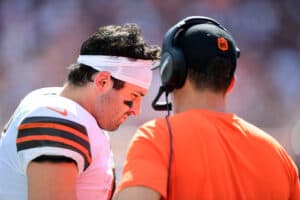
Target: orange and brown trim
{"x": 38, "y": 132}
{"x": 56, "y": 126}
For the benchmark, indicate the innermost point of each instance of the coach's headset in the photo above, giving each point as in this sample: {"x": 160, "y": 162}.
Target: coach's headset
{"x": 173, "y": 69}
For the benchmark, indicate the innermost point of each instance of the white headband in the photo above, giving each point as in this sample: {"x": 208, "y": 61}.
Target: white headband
{"x": 135, "y": 71}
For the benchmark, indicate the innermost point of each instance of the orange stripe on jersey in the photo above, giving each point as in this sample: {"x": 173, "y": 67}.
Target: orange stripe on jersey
{"x": 54, "y": 126}
{"x": 56, "y": 139}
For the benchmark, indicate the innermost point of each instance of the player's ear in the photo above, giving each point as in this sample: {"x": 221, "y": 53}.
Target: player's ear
{"x": 232, "y": 83}
{"x": 102, "y": 80}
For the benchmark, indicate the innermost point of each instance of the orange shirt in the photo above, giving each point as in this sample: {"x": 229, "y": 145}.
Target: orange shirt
{"x": 215, "y": 156}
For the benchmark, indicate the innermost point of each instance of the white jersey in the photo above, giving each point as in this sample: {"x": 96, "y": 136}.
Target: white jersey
{"x": 47, "y": 124}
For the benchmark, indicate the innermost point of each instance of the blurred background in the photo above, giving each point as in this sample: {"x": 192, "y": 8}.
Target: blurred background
{"x": 40, "y": 38}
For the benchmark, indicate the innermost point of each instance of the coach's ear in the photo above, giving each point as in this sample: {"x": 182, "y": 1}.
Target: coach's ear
{"x": 232, "y": 83}
{"x": 103, "y": 81}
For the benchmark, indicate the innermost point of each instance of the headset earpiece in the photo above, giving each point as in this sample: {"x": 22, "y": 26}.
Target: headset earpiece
{"x": 173, "y": 69}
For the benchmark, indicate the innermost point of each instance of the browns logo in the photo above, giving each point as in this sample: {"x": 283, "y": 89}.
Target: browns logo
{"x": 222, "y": 44}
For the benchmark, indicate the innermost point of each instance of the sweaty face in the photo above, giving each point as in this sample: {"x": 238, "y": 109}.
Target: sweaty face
{"x": 113, "y": 107}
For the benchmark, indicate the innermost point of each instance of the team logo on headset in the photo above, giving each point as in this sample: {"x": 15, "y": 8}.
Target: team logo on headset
{"x": 222, "y": 44}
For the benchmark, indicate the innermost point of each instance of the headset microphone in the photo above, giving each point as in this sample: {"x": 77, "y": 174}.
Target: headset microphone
{"x": 161, "y": 106}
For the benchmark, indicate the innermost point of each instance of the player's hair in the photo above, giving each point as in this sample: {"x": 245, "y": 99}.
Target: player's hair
{"x": 80, "y": 74}
{"x": 113, "y": 40}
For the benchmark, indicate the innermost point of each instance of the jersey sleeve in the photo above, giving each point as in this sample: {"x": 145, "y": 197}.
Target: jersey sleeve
{"x": 52, "y": 136}
{"x": 147, "y": 158}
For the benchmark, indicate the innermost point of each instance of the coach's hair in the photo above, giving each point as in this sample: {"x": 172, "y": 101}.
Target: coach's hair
{"x": 217, "y": 76}
{"x": 113, "y": 40}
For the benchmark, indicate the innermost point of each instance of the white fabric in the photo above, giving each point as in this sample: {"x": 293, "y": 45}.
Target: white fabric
{"x": 134, "y": 71}
{"x": 93, "y": 183}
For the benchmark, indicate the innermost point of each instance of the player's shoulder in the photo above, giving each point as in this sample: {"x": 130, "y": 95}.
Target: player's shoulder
{"x": 53, "y": 125}
{"x": 47, "y": 103}
{"x": 44, "y": 108}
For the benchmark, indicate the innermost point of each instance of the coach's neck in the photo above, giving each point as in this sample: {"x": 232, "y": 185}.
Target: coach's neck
{"x": 187, "y": 98}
